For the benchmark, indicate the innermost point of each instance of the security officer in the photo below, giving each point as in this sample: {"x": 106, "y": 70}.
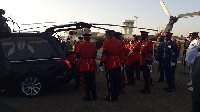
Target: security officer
{"x": 135, "y": 47}
{"x": 87, "y": 53}
{"x": 75, "y": 67}
{"x": 168, "y": 57}
{"x": 4, "y": 62}
{"x": 196, "y": 83}
{"x": 117, "y": 35}
{"x": 112, "y": 57}
{"x": 146, "y": 53}
{"x": 186, "y": 45}
{"x": 159, "y": 58}
{"x": 4, "y": 66}
{"x": 192, "y": 51}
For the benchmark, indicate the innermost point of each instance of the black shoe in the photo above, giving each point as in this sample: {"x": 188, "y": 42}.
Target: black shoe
{"x": 159, "y": 81}
{"x": 145, "y": 91}
{"x": 170, "y": 90}
{"x": 108, "y": 99}
{"x": 121, "y": 92}
{"x": 87, "y": 99}
{"x": 128, "y": 83}
{"x": 166, "y": 88}
{"x": 94, "y": 98}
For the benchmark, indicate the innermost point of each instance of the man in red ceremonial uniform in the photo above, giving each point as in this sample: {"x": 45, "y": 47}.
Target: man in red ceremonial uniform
{"x": 135, "y": 47}
{"x": 112, "y": 57}
{"x": 127, "y": 44}
{"x": 131, "y": 60}
{"x": 87, "y": 53}
{"x": 117, "y": 35}
{"x": 146, "y": 53}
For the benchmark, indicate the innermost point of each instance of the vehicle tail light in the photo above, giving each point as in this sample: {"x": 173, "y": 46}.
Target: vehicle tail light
{"x": 67, "y": 62}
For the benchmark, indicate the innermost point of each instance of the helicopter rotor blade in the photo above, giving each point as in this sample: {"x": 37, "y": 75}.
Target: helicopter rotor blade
{"x": 164, "y": 8}
{"x": 38, "y": 23}
{"x": 189, "y": 15}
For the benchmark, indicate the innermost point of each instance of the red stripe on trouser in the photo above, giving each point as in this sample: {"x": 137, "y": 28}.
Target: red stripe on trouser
{"x": 149, "y": 82}
{"x": 122, "y": 82}
{"x": 84, "y": 86}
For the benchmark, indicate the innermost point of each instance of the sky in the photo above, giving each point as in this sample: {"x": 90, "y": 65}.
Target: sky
{"x": 149, "y": 12}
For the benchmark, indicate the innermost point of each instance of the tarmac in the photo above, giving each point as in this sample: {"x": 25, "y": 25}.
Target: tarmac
{"x": 66, "y": 99}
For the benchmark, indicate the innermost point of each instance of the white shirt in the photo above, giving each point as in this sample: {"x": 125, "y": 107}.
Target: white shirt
{"x": 192, "y": 51}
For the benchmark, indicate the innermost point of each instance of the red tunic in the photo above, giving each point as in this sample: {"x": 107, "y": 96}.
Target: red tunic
{"x": 127, "y": 46}
{"x": 88, "y": 62}
{"x": 136, "y": 47}
{"x": 146, "y": 52}
{"x": 179, "y": 46}
{"x": 112, "y": 59}
{"x": 130, "y": 57}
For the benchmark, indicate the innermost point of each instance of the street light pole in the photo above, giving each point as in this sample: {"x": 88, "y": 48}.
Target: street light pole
{"x": 135, "y": 24}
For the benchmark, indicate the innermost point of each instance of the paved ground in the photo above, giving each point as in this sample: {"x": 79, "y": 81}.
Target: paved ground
{"x": 66, "y": 99}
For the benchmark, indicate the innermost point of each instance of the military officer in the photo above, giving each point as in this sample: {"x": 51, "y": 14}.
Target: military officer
{"x": 127, "y": 44}
{"x": 159, "y": 59}
{"x": 146, "y": 53}
{"x": 112, "y": 58}
{"x": 131, "y": 59}
{"x": 87, "y": 53}
{"x": 135, "y": 47}
{"x": 117, "y": 35}
{"x": 192, "y": 51}
{"x": 77, "y": 72}
{"x": 168, "y": 56}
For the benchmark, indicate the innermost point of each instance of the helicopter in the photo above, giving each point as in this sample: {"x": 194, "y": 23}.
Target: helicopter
{"x": 174, "y": 19}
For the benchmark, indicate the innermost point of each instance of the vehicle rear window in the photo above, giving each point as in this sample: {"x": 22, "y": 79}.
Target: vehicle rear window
{"x": 28, "y": 48}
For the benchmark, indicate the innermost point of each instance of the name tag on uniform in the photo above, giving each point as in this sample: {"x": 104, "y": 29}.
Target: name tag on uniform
{"x": 169, "y": 46}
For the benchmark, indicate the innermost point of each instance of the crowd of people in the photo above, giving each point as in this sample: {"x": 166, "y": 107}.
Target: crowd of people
{"x": 124, "y": 59}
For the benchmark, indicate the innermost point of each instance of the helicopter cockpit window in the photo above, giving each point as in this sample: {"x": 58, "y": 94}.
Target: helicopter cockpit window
{"x": 28, "y": 48}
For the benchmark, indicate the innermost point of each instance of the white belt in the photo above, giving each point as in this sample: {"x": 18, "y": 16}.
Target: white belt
{"x": 129, "y": 54}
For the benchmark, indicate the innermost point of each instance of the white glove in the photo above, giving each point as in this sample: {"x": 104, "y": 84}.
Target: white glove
{"x": 121, "y": 68}
{"x": 157, "y": 62}
{"x": 172, "y": 64}
{"x": 150, "y": 68}
{"x": 101, "y": 68}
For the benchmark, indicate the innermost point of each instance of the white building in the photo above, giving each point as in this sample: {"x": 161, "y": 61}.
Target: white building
{"x": 128, "y": 26}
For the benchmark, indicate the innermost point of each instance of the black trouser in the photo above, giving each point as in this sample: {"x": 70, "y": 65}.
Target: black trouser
{"x": 113, "y": 83}
{"x": 169, "y": 74}
{"x": 161, "y": 69}
{"x": 147, "y": 77}
{"x": 77, "y": 78}
{"x": 130, "y": 73}
{"x": 195, "y": 104}
{"x": 89, "y": 84}
{"x": 121, "y": 81}
{"x": 137, "y": 69}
